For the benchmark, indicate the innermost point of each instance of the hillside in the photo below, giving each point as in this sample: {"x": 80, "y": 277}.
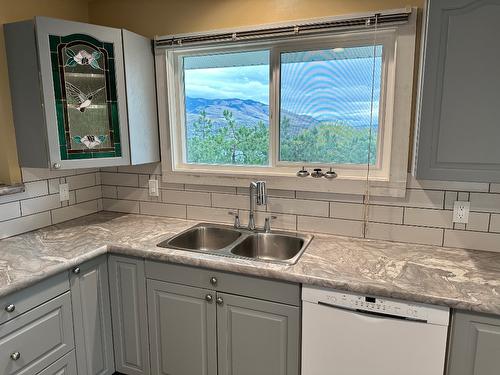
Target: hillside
{"x": 246, "y": 112}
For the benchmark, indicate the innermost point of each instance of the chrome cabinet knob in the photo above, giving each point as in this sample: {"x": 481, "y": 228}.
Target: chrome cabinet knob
{"x": 57, "y": 166}
{"x": 76, "y": 270}
{"x": 10, "y": 308}
{"x": 209, "y": 298}
{"x": 213, "y": 281}
{"x": 219, "y": 301}
{"x": 15, "y": 356}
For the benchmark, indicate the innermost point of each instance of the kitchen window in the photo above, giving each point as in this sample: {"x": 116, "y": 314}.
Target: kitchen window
{"x": 246, "y": 109}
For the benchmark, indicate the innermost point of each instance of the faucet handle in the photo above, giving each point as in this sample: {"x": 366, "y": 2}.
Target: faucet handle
{"x": 236, "y": 224}
{"x": 267, "y": 223}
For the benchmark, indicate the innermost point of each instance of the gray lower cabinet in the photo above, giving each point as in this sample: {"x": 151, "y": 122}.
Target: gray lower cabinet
{"x": 127, "y": 283}
{"x": 257, "y": 337}
{"x": 182, "y": 323}
{"x": 474, "y": 347}
{"x": 459, "y": 96}
{"x": 92, "y": 318}
{"x": 36, "y": 339}
{"x": 63, "y": 366}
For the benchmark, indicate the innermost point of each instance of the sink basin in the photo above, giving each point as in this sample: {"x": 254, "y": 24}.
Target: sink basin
{"x": 269, "y": 246}
{"x": 203, "y": 237}
{"x": 277, "y": 247}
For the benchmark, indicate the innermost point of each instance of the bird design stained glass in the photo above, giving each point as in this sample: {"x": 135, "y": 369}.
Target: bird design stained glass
{"x": 83, "y": 71}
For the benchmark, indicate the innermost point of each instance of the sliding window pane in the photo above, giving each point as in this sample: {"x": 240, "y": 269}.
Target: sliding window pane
{"x": 226, "y": 99}
{"x": 328, "y": 110}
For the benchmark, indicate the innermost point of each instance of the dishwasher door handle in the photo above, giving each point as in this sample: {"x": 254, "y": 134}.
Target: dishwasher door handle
{"x": 372, "y": 314}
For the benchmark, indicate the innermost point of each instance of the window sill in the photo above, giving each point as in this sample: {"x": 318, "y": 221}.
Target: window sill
{"x": 340, "y": 185}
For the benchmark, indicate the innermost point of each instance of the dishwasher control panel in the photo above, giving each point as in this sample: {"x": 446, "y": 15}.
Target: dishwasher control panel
{"x": 376, "y": 305}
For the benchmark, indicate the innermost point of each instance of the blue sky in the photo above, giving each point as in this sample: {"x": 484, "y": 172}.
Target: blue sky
{"x": 327, "y": 89}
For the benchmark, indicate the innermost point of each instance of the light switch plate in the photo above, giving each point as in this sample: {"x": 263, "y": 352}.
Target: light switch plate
{"x": 154, "y": 189}
{"x": 64, "y": 192}
{"x": 461, "y": 212}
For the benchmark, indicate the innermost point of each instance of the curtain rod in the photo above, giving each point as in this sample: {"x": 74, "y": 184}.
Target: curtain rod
{"x": 283, "y": 30}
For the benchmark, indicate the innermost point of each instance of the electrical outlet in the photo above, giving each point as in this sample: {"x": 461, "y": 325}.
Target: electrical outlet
{"x": 154, "y": 190}
{"x": 461, "y": 212}
{"x": 64, "y": 192}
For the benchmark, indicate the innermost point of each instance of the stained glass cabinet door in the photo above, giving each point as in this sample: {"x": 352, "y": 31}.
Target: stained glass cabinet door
{"x": 82, "y": 74}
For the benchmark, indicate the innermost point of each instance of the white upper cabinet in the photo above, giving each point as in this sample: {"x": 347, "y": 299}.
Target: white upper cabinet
{"x": 459, "y": 113}
{"x": 82, "y": 95}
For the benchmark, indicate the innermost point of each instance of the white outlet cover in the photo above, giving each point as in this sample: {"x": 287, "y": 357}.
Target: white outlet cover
{"x": 154, "y": 189}
{"x": 461, "y": 212}
{"x": 64, "y": 192}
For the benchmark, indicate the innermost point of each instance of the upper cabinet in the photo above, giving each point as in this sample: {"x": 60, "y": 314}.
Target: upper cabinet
{"x": 459, "y": 108}
{"x": 82, "y": 95}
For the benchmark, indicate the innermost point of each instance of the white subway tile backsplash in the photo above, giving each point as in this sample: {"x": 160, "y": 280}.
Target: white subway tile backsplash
{"x": 472, "y": 240}
{"x": 72, "y": 212}
{"x": 353, "y": 211}
{"x": 331, "y": 197}
{"x": 163, "y": 209}
{"x": 428, "y": 218}
{"x": 298, "y": 207}
{"x": 495, "y": 223}
{"x": 201, "y": 213}
{"x": 282, "y": 221}
{"x": 478, "y": 221}
{"x": 118, "y": 205}
{"x": 81, "y": 181}
{"x": 385, "y": 214}
{"x": 134, "y": 194}
{"x": 36, "y": 174}
{"x": 9, "y": 211}
{"x": 404, "y": 233}
{"x": 24, "y": 224}
{"x": 87, "y": 194}
{"x": 485, "y": 202}
{"x": 231, "y": 201}
{"x": 152, "y": 168}
{"x": 109, "y": 191}
{"x": 40, "y": 204}
{"x": 449, "y": 199}
{"x": 279, "y": 193}
{"x": 495, "y": 188}
{"x": 120, "y": 179}
{"x": 193, "y": 198}
{"x": 208, "y": 188}
{"x": 414, "y": 198}
{"x": 339, "y": 227}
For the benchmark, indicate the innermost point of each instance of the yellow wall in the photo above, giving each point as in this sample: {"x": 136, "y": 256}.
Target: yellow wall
{"x": 11, "y": 11}
{"x": 159, "y": 17}
{"x": 162, "y": 17}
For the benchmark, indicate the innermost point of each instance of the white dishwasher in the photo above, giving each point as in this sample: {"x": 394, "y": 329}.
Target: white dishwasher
{"x": 345, "y": 333}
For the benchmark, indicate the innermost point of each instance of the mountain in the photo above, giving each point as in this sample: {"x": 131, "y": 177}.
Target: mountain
{"x": 246, "y": 112}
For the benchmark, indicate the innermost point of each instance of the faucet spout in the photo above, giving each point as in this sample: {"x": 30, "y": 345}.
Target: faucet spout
{"x": 258, "y": 195}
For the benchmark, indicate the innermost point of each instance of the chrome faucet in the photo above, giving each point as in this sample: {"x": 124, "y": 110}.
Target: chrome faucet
{"x": 258, "y": 195}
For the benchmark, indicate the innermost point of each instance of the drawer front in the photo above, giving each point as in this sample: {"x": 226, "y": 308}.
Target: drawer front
{"x": 37, "y": 338}
{"x": 18, "y": 303}
{"x": 276, "y": 291}
{"x": 64, "y": 366}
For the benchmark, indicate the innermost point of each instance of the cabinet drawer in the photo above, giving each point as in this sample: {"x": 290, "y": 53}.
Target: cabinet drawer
{"x": 32, "y": 296}
{"x": 64, "y": 366}
{"x": 276, "y": 291}
{"x": 38, "y": 337}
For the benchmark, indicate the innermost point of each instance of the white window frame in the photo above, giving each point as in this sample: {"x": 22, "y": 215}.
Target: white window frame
{"x": 387, "y": 177}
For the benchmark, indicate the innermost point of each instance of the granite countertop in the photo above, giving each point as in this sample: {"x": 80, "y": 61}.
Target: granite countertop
{"x": 457, "y": 278}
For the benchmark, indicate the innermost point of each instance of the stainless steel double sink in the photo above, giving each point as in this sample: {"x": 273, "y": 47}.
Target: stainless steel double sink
{"x": 276, "y": 246}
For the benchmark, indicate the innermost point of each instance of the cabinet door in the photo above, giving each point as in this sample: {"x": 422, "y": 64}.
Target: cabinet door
{"x": 475, "y": 345}
{"x": 182, "y": 326}
{"x": 128, "y": 309}
{"x": 63, "y": 366}
{"x": 92, "y": 318}
{"x": 459, "y": 98}
{"x": 257, "y": 337}
{"x": 83, "y": 82}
